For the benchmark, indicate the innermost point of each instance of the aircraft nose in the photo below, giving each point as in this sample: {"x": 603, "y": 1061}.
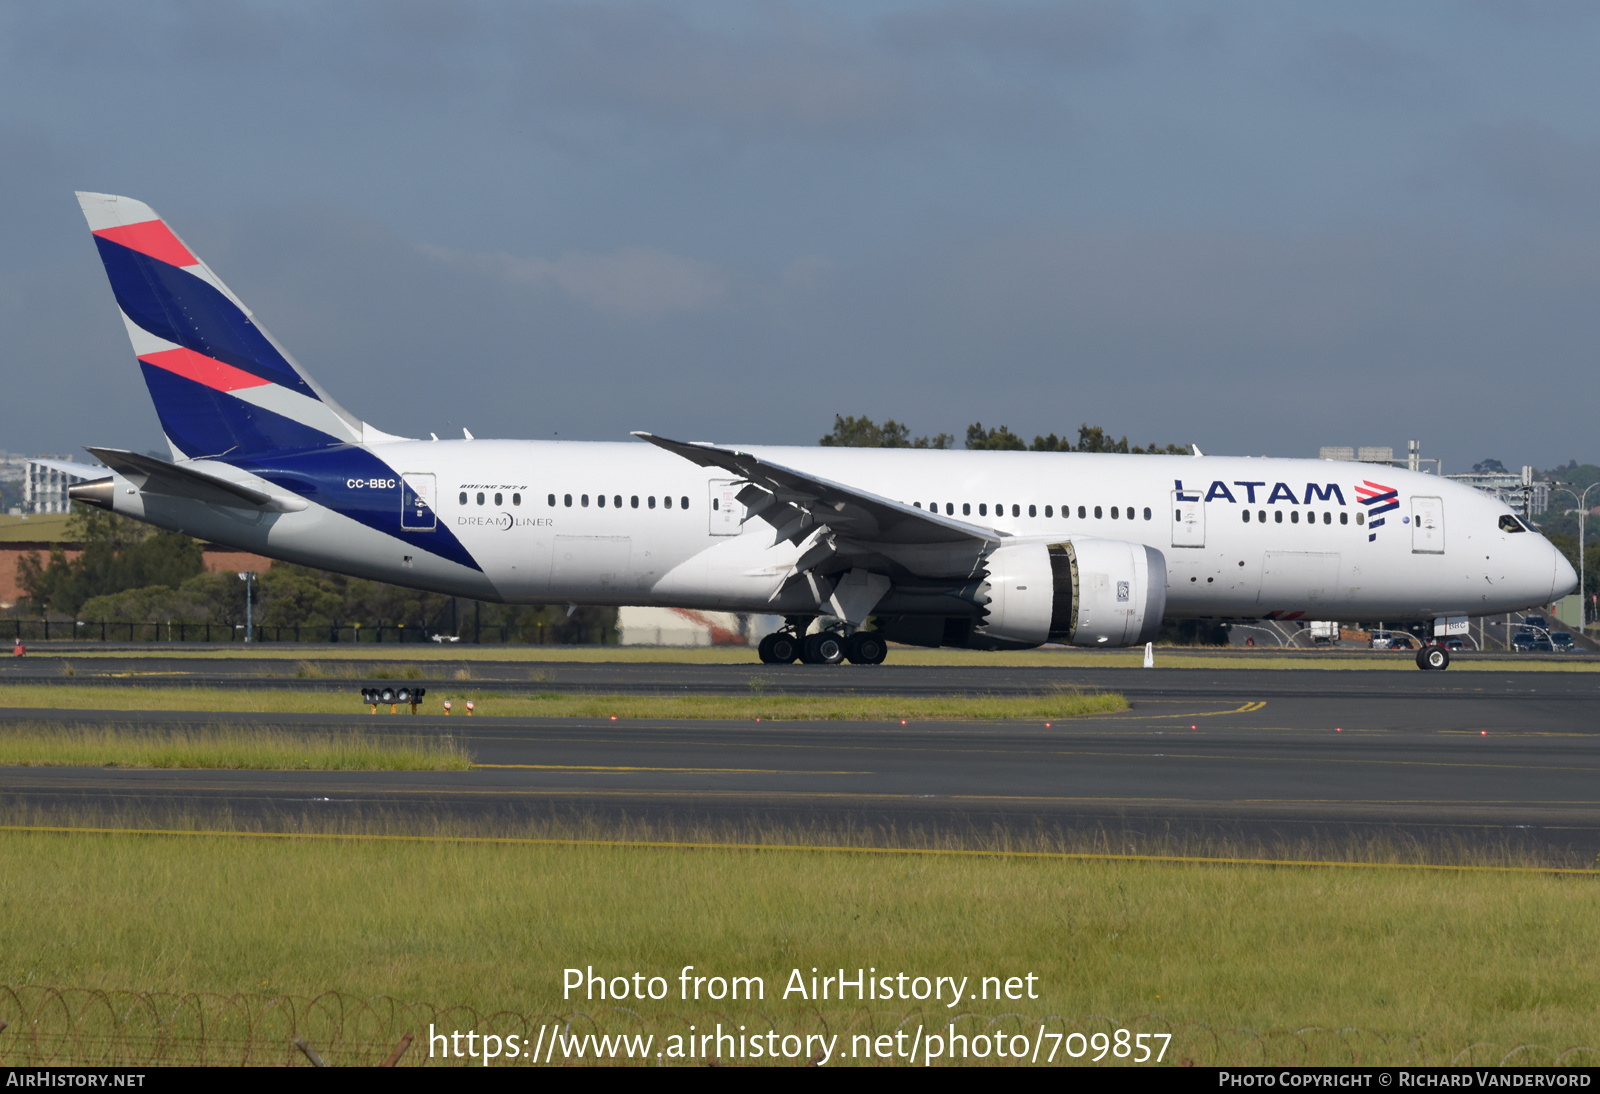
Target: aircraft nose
{"x": 1566, "y": 578}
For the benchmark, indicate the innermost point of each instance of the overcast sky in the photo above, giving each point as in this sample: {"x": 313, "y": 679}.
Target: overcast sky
{"x": 1259, "y": 227}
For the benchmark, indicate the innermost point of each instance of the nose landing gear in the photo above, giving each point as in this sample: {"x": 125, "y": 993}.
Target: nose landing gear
{"x": 1433, "y": 657}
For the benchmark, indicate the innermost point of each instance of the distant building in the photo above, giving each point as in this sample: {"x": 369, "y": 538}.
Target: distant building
{"x": 1364, "y": 454}
{"x": 1515, "y": 489}
{"x": 684, "y": 627}
{"x": 44, "y": 487}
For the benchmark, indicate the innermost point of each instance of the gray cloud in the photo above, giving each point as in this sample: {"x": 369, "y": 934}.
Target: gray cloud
{"x": 1087, "y": 32}
{"x": 1258, "y": 230}
{"x": 634, "y": 283}
{"x": 1536, "y": 165}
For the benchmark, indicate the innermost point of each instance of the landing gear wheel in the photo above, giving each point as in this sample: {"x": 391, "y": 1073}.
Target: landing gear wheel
{"x": 822, "y": 649}
{"x": 865, "y": 648}
{"x": 778, "y": 648}
{"x": 1433, "y": 657}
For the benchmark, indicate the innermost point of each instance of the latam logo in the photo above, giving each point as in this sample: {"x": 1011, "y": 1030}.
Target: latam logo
{"x": 1281, "y": 491}
{"x": 1378, "y": 500}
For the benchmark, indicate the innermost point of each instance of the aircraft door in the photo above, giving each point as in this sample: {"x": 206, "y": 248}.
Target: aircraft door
{"x": 726, "y": 512}
{"x": 1427, "y": 526}
{"x": 1188, "y": 522}
{"x": 417, "y": 496}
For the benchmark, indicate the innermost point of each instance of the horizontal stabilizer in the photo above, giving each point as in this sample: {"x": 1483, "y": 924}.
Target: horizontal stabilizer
{"x": 155, "y": 476}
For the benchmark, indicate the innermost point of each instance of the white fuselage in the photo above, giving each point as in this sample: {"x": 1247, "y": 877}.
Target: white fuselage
{"x": 549, "y": 521}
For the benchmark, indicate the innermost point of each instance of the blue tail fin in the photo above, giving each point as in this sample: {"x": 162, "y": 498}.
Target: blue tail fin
{"x": 221, "y": 385}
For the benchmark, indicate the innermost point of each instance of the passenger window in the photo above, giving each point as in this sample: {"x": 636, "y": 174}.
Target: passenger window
{"x": 716, "y": 506}
{"x": 1277, "y": 516}
{"x": 1049, "y": 510}
{"x": 1261, "y": 516}
{"x": 552, "y": 501}
{"x": 1344, "y": 518}
{"x": 983, "y": 509}
{"x": 1096, "y": 512}
{"x": 667, "y": 501}
{"x": 516, "y": 499}
{"x": 566, "y": 499}
{"x": 914, "y": 505}
{"x": 966, "y": 508}
{"x": 1294, "y": 517}
{"x": 1361, "y": 518}
{"x": 463, "y": 497}
{"x": 1327, "y": 518}
{"x": 499, "y": 499}
{"x": 584, "y": 501}
{"x": 616, "y": 501}
{"x": 949, "y": 508}
{"x": 1146, "y": 512}
{"x": 683, "y": 502}
{"x": 1114, "y": 513}
{"x": 1509, "y": 523}
{"x": 651, "y": 501}
{"x": 1082, "y": 512}
{"x": 1032, "y": 512}
{"x": 1246, "y": 513}
{"x": 480, "y": 498}
{"x": 634, "y": 501}
{"x": 600, "y": 500}
{"x": 1016, "y": 510}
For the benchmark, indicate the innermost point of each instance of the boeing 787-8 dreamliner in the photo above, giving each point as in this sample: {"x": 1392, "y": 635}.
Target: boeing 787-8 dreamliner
{"x": 993, "y": 550}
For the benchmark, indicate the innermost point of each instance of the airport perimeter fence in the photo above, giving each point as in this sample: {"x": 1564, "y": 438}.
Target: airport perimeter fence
{"x": 50, "y": 1026}
{"x": 121, "y": 630}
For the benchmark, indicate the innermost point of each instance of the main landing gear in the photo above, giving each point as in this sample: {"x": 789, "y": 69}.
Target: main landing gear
{"x": 1433, "y": 657}
{"x": 825, "y": 648}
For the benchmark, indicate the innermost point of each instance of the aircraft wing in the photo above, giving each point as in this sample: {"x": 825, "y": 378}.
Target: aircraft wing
{"x": 842, "y": 528}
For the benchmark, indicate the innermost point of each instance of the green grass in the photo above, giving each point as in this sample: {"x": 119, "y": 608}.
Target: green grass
{"x": 1061, "y": 703}
{"x": 223, "y": 747}
{"x": 1237, "y": 961}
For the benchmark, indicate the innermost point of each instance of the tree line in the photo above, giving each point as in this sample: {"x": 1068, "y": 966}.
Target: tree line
{"x": 131, "y": 572}
{"x": 853, "y": 432}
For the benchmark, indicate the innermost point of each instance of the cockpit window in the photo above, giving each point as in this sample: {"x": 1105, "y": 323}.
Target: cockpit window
{"x": 1509, "y": 523}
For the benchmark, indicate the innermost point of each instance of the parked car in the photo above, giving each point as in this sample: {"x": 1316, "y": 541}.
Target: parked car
{"x": 1393, "y": 640}
{"x": 1531, "y": 643}
{"x": 1454, "y": 644}
{"x": 1535, "y": 623}
{"x": 1561, "y": 642}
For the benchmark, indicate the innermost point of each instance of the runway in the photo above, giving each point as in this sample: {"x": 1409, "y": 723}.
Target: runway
{"x": 514, "y": 677}
{"x": 1236, "y": 757}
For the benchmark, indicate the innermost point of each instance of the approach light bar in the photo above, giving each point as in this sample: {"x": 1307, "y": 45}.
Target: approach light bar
{"x": 373, "y": 697}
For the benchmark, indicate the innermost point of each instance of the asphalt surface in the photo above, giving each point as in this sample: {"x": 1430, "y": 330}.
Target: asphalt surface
{"x": 523, "y": 677}
{"x": 1207, "y": 759}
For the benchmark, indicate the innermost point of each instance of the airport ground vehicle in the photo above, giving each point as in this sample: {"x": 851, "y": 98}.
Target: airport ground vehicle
{"x": 1561, "y": 642}
{"x": 986, "y": 550}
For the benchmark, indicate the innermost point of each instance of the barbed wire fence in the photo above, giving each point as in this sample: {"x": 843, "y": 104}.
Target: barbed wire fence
{"x": 47, "y": 1026}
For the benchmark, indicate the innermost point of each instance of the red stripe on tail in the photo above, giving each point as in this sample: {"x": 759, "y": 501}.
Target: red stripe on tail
{"x": 152, "y": 238}
{"x": 202, "y": 369}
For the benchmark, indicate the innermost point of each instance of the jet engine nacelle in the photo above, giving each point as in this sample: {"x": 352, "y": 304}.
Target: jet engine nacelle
{"x": 1085, "y": 592}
